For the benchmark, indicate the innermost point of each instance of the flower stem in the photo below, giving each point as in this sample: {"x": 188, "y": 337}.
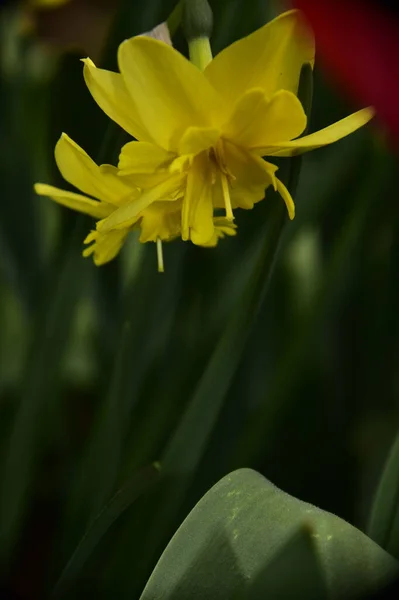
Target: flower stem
{"x": 200, "y": 52}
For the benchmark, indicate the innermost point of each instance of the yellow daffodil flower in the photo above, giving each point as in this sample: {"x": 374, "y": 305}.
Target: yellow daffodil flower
{"x": 105, "y": 192}
{"x": 202, "y": 135}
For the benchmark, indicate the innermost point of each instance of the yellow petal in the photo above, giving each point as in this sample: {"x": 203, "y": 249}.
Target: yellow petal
{"x": 144, "y": 164}
{"x": 258, "y": 121}
{"x": 197, "y": 139}
{"x": 82, "y": 204}
{"x": 223, "y": 227}
{"x": 109, "y": 91}
{"x": 326, "y": 136}
{"x": 120, "y": 194}
{"x": 120, "y": 190}
{"x": 252, "y": 175}
{"x": 127, "y": 215}
{"x": 286, "y": 196}
{"x": 104, "y": 246}
{"x": 161, "y": 220}
{"x": 142, "y": 157}
{"x": 271, "y": 58}
{"x": 169, "y": 92}
{"x": 197, "y": 210}
{"x": 80, "y": 170}
{"x": 212, "y": 242}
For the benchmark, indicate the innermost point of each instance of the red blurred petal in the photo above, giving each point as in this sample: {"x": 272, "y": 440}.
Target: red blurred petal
{"x": 359, "y": 42}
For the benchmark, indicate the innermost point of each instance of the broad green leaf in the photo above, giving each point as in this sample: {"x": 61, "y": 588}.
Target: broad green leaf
{"x": 297, "y": 558}
{"x": 383, "y": 525}
{"x": 242, "y": 526}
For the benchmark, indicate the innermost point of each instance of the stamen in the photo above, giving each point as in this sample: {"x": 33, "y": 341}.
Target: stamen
{"x": 226, "y": 198}
{"x": 184, "y": 218}
{"x": 160, "y": 256}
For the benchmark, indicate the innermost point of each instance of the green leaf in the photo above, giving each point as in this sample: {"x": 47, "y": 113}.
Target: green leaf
{"x": 149, "y": 298}
{"x": 40, "y": 381}
{"x": 96, "y": 477}
{"x": 297, "y": 558}
{"x": 118, "y": 504}
{"x": 245, "y": 531}
{"x": 305, "y": 95}
{"x": 234, "y": 19}
{"x": 383, "y": 525}
{"x": 175, "y": 17}
{"x": 338, "y": 274}
{"x": 20, "y": 232}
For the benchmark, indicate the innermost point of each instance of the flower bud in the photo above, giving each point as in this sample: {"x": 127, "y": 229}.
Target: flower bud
{"x": 197, "y": 19}
{"x": 197, "y": 27}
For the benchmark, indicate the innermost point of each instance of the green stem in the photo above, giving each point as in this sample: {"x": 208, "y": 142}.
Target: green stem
{"x": 200, "y": 52}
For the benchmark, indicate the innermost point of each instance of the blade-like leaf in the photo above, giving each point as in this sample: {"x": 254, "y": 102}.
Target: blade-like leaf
{"x": 40, "y": 383}
{"x": 20, "y": 231}
{"x": 120, "y": 502}
{"x": 305, "y": 95}
{"x": 383, "y": 525}
{"x": 59, "y": 303}
{"x": 338, "y": 273}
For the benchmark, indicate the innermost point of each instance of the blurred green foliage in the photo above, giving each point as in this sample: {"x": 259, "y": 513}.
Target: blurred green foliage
{"x": 278, "y": 351}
